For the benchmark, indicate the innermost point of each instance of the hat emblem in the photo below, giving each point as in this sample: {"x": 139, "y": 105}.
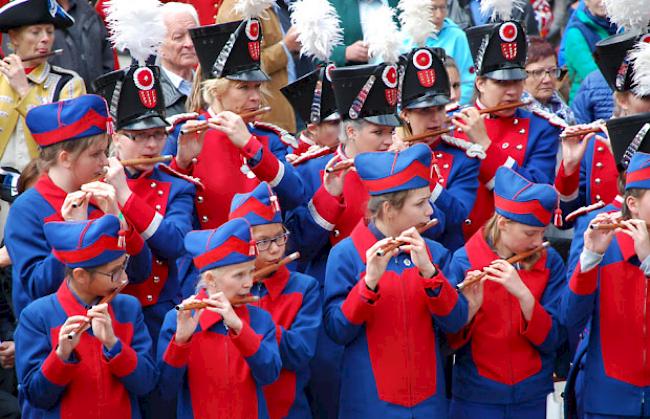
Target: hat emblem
{"x": 144, "y": 80}
{"x": 422, "y": 60}
{"x": 508, "y": 34}
{"x": 645, "y": 38}
{"x": 52, "y": 6}
{"x": 253, "y": 35}
{"x": 328, "y": 71}
{"x": 389, "y": 77}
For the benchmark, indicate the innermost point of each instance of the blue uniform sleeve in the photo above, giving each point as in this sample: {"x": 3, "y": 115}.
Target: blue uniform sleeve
{"x": 138, "y": 268}
{"x": 298, "y": 344}
{"x": 33, "y": 350}
{"x": 457, "y": 199}
{"x": 35, "y": 271}
{"x": 579, "y": 298}
{"x": 172, "y": 359}
{"x": 540, "y": 164}
{"x": 260, "y": 349}
{"x": 290, "y": 189}
{"x": 449, "y": 307}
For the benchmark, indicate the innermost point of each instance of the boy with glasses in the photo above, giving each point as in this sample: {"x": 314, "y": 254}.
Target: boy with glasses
{"x": 292, "y": 299}
{"x": 75, "y": 357}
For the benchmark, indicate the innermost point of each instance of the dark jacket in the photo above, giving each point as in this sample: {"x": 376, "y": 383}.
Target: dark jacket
{"x": 86, "y": 49}
{"x": 174, "y": 99}
{"x": 459, "y": 12}
{"x": 594, "y": 100}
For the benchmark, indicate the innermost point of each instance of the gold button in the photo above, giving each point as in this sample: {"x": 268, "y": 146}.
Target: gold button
{"x": 156, "y": 279}
{"x": 199, "y": 199}
{"x": 519, "y": 147}
{"x": 445, "y": 166}
{"x": 153, "y": 184}
{"x": 159, "y": 262}
{"x": 516, "y": 121}
{"x": 158, "y": 207}
{"x": 204, "y": 218}
{"x": 150, "y": 298}
{"x": 440, "y": 180}
{"x": 505, "y": 145}
{"x": 599, "y": 165}
{"x": 160, "y": 193}
{"x": 597, "y": 180}
{"x": 599, "y": 148}
{"x": 522, "y": 131}
{"x": 439, "y": 155}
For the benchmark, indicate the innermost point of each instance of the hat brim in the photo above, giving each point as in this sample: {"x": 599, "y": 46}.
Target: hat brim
{"x": 428, "y": 100}
{"x": 390, "y": 120}
{"x": 146, "y": 122}
{"x": 507, "y": 74}
{"x": 250, "y": 75}
{"x": 332, "y": 117}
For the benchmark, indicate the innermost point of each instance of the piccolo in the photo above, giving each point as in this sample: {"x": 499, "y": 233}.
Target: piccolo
{"x": 147, "y": 160}
{"x": 105, "y": 300}
{"x": 440, "y": 131}
{"x": 609, "y": 226}
{"x": 263, "y": 272}
{"x": 44, "y": 55}
{"x": 390, "y": 246}
{"x": 245, "y": 115}
{"x": 594, "y": 127}
{"x": 511, "y": 260}
{"x": 236, "y": 300}
{"x": 342, "y": 165}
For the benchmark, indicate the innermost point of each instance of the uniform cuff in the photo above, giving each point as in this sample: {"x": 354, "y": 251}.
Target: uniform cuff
{"x": 247, "y": 341}
{"x": 177, "y": 354}
{"x": 567, "y": 185}
{"x": 583, "y": 283}
{"x": 326, "y": 209}
{"x": 142, "y": 216}
{"x": 57, "y": 371}
{"x": 124, "y": 362}
{"x": 495, "y": 158}
{"x": 441, "y": 296}
{"x": 359, "y": 302}
{"x": 536, "y": 330}
{"x": 268, "y": 169}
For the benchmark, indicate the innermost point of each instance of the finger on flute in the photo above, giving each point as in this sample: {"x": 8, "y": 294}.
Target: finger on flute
{"x": 340, "y": 166}
{"x": 194, "y": 128}
{"x": 236, "y": 300}
{"x": 389, "y": 247}
{"x": 580, "y": 133}
{"x": 105, "y": 300}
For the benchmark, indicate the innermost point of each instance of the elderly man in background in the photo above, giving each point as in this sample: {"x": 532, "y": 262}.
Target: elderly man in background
{"x": 177, "y": 55}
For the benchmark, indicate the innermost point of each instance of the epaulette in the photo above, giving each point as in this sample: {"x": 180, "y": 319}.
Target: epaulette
{"x": 178, "y": 119}
{"x": 282, "y": 133}
{"x": 312, "y": 153}
{"x": 471, "y": 149}
{"x": 550, "y": 117}
{"x": 60, "y": 70}
{"x": 584, "y": 210}
{"x": 193, "y": 180}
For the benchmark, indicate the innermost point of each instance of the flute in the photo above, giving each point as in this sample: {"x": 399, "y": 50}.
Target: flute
{"x": 263, "y": 272}
{"x": 44, "y": 55}
{"x": 511, "y": 260}
{"x": 389, "y": 247}
{"x": 236, "y": 300}
{"x": 441, "y": 131}
{"x": 609, "y": 226}
{"x": 105, "y": 300}
{"x": 245, "y": 115}
{"x": 147, "y": 160}
{"x": 342, "y": 165}
{"x": 581, "y": 133}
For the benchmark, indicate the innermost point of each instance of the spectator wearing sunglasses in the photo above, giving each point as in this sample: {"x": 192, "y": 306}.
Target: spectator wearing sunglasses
{"x": 542, "y": 82}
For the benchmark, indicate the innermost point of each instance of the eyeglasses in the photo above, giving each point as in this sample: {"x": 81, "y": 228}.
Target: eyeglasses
{"x": 116, "y": 274}
{"x": 553, "y": 73}
{"x": 158, "y": 135}
{"x": 264, "y": 245}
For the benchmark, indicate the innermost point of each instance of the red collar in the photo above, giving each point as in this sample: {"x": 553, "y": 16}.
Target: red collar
{"x": 479, "y": 246}
{"x": 68, "y": 301}
{"x": 626, "y": 244}
{"x": 618, "y": 202}
{"x": 51, "y": 192}
{"x": 276, "y": 283}
{"x": 363, "y": 239}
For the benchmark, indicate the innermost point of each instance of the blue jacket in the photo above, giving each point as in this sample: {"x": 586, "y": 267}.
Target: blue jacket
{"x": 502, "y": 358}
{"x": 94, "y": 382}
{"x": 218, "y": 374}
{"x": 36, "y": 272}
{"x": 594, "y": 100}
{"x": 294, "y": 302}
{"x": 392, "y": 365}
{"x": 614, "y": 296}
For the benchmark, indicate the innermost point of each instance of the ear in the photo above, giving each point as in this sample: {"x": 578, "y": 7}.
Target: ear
{"x": 480, "y": 84}
{"x": 81, "y": 276}
{"x": 632, "y": 203}
{"x": 64, "y": 159}
{"x": 502, "y": 223}
{"x": 13, "y": 35}
{"x": 351, "y": 132}
{"x": 312, "y": 128}
{"x": 388, "y": 210}
{"x": 404, "y": 115}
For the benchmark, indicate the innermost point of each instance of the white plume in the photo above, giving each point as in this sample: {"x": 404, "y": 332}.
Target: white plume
{"x": 318, "y": 26}
{"x": 501, "y": 9}
{"x": 633, "y": 15}
{"x": 417, "y": 19}
{"x": 248, "y": 9}
{"x": 640, "y": 56}
{"x": 137, "y": 26}
{"x": 383, "y": 38}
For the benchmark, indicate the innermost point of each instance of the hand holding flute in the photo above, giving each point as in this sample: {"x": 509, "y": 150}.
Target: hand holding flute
{"x": 602, "y": 230}
{"x": 395, "y": 243}
{"x": 187, "y": 317}
{"x": 510, "y": 261}
{"x": 99, "y": 310}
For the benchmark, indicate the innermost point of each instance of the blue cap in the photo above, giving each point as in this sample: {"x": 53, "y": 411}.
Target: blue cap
{"x": 638, "y": 172}
{"x": 392, "y": 171}
{"x": 65, "y": 120}
{"x": 229, "y": 244}
{"x": 523, "y": 201}
{"x": 258, "y": 207}
{"x": 87, "y": 243}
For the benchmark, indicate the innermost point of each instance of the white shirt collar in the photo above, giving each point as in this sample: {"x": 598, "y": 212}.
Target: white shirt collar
{"x": 173, "y": 77}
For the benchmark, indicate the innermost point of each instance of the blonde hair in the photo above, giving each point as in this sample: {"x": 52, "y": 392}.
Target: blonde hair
{"x": 50, "y": 154}
{"x": 394, "y": 199}
{"x": 491, "y": 232}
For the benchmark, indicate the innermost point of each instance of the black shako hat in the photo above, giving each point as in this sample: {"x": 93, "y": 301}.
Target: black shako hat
{"x": 499, "y": 50}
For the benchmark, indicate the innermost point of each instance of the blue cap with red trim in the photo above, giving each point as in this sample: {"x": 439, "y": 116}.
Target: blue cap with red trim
{"x": 523, "y": 201}
{"x": 638, "y": 172}
{"x": 229, "y": 244}
{"x": 70, "y": 119}
{"x": 391, "y": 171}
{"x": 258, "y": 207}
{"x": 87, "y": 243}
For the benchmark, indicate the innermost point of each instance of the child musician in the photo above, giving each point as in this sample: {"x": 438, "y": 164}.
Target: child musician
{"x": 506, "y": 353}
{"x": 609, "y": 289}
{"x": 76, "y": 356}
{"x": 388, "y": 309}
{"x": 293, "y": 300}
{"x": 218, "y": 358}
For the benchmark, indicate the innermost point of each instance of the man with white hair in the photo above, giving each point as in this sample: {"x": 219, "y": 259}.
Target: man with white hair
{"x": 177, "y": 55}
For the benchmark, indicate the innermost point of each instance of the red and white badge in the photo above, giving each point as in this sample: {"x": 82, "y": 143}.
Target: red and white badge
{"x": 389, "y": 77}
{"x": 508, "y": 33}
{"x": 143, "y": 79}
{"x": 253, "y": 35}
{"x": 328, "y": 71}
{"x": 422, "y": 60}
{"x": 645, "y": 38}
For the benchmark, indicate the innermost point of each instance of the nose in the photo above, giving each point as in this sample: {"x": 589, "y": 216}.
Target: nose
{"x": 103, "y": 160}
{"x": 428, "y": 210}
